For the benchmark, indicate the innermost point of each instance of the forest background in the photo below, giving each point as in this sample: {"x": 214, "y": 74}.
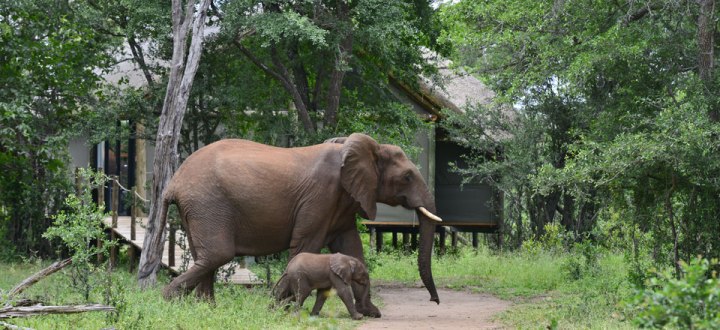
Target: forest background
{"x": 604, "y": 126}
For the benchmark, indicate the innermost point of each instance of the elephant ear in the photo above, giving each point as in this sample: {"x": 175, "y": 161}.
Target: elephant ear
{"x": 342, "y": 267}
{"x": 339, "y": 140}
{"x": 359, "y": 174}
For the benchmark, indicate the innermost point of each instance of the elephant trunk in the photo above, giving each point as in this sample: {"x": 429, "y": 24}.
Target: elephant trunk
{"x": 427, "y": 234}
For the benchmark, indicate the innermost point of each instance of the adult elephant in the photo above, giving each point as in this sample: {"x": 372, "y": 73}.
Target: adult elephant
{"x": 241, "y": 198}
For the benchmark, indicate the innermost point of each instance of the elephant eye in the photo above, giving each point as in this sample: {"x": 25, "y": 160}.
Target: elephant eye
{"x": 407, "y": 177}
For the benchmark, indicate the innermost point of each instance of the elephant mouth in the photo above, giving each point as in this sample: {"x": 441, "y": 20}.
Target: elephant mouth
{"x": 429, "y": 214}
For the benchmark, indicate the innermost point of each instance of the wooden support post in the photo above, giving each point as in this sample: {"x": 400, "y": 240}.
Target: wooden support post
{"x": 394, "y": 239}
{"x": 406, "y": 241}
{"x": 442, "y": 241}
{"x": 475, "y": 239}
{"x": 132, "y": 255}
{"x": 115, "y": 197}
{"x": 101, "y": 204}
{"x": 379, "y": 239}
{"x": 171, "y": 246}
{"x": 372, "y": 238}
{"x": 133, "y": 213}
{"x": 499, "y": 241}
{"x": 413, "y": 241}
{"x": 454, "y": 239}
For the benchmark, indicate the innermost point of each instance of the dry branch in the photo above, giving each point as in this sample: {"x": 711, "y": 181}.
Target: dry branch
{"x": 12, "y": 327}
{"x": 38, "y": 276}
{"x": 8, "y": 312}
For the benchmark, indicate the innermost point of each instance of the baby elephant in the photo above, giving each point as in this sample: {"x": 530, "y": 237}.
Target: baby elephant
{"x": 309, "y": 271}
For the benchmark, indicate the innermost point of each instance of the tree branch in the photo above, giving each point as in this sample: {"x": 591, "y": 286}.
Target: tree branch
{"x": 301, "y": 80}
{"x": 300, "y": 105}
{"x": 641, "y": 13}
{"x": 258, "y": 62}
{"x": 9, "y": 312}
{"x": 12, "y": 326}
{"x": 140, "y": 59}
{"x": 28, "y": 282}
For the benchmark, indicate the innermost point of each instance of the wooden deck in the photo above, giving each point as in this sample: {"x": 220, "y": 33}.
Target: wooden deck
{"x": 241, "y": 274}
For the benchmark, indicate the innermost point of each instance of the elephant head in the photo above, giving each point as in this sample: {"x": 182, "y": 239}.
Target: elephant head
{"x": 354, "y": 273}
{"x": 373, "y": 172}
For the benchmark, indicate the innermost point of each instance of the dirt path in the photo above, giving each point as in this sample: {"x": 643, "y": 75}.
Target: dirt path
{"x": 410, "y": 308}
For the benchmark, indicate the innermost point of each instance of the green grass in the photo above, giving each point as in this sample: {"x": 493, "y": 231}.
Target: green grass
{"x": 541, "y": 286}
{"x": 236, "y": 307}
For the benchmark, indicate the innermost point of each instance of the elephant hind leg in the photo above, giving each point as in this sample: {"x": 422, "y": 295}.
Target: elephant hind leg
{"x": 201, "y": 273}
{"x": 205, "y": 289}
{"x": 320, "y": 298}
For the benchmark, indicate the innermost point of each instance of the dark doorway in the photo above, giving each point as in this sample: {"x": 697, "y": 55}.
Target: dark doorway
{"x": 456, "y": 202}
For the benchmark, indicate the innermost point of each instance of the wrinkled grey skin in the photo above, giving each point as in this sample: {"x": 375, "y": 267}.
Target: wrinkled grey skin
{"x": 323, "y": 272}
{"x": 241, "y": 198}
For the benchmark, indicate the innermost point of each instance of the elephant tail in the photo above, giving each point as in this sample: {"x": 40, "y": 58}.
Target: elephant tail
{"x": 167, "y": 200}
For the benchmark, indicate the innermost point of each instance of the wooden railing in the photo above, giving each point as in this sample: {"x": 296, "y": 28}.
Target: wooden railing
{"x": 134, "y": 211}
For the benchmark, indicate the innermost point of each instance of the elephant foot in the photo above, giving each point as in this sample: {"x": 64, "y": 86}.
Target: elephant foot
{"x": 357, "y": 316}
{"x": 370, "y": 311}
{"x": 170, "y": 292}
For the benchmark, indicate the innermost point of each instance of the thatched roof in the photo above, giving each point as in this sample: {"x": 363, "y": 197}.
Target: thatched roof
{"x": 451, "y": 88}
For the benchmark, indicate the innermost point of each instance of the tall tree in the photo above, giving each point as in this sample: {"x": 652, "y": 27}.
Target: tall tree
{"x": 310, "y": 47}
{"x": 50, "y": 64}
{"x": 182, "y": 74}
{"x": 622, "y": 91}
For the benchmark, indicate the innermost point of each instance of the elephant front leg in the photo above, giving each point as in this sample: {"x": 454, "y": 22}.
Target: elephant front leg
{"x": 345, "y": 294}
{"x": 349, "y": 243}
{"x": 320, "y": 298}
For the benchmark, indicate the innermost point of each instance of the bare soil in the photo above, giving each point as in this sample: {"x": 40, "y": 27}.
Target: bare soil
{"x": 411, "y": 308}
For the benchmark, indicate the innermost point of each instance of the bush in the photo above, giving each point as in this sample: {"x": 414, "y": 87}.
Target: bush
{"x": 692, "y": 302}
{"x": 79, "y": 228}
{"x": 552, "y": 240}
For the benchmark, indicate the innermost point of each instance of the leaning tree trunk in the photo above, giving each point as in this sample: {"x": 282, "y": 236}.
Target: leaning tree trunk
{"x": 182, "y": 74}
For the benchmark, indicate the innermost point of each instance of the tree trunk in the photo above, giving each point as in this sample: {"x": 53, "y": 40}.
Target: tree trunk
{"x": 182, "y": 74}
{"x": 342, "y": 57}
{"x": 568, "y": 219}
{"x": 706, "y": 44}
{"x": 673, "y": 227}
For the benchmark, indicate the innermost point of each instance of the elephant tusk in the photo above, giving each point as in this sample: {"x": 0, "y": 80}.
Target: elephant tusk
{"x": 429, "y": 214}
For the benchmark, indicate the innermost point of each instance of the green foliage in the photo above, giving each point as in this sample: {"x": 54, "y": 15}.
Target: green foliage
{"x": 296, "y": 47}
{"x": 552, "y": 240}
{"x": 50, "y": 61}
{"x": 79, "y": 228}
{"x": 691, "y": 302}
{"x": 606, "y": 109}
{"x": 582, "y": 261}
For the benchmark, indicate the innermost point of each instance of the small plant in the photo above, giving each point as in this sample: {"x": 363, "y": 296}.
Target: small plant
{"x": 692, "y": 302}
{"x": 553, "y": 240}
{"x": 582, "y": 261}
{"x": 79, "y": 227}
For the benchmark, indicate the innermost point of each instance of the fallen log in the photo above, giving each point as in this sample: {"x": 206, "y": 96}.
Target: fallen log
{"x": 12, "y": 326}
{"x": 26, "y": 283}
{"x": 25, "y": 311}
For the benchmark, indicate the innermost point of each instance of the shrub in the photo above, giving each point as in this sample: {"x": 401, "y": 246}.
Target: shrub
{"x": 692, "y": 302}
{"x": 79, "y": 228}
